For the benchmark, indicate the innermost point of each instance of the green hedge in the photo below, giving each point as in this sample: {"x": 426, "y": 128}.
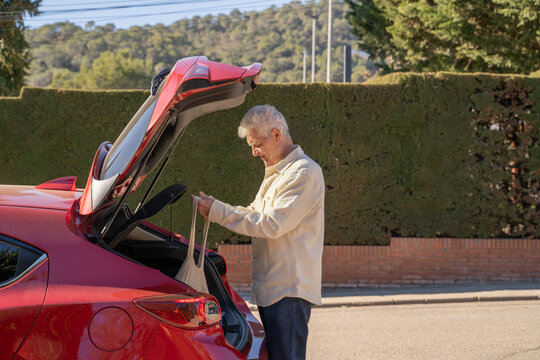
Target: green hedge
{"x": 404, "y": 155}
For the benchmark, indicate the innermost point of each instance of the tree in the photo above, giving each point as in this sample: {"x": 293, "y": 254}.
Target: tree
{"x": 369, "y": 24}
{"x": 501, "y": 36}
{"x": 115, "y": 71}
{"x": 14, "y": 54}
{"x": 276, "y": 37}
{"x": 62, "y": 79}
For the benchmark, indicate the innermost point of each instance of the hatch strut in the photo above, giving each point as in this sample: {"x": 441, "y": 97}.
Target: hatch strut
{"x": 155, "y": 179}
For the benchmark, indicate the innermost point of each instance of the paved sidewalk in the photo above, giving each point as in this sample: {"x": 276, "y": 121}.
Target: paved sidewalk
{"x": 429, "y": 294}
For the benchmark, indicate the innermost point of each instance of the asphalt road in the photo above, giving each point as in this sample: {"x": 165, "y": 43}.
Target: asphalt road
{"x": 491, "y": 330}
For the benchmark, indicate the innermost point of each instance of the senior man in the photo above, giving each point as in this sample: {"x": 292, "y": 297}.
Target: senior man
{"x": 286, "y": 223}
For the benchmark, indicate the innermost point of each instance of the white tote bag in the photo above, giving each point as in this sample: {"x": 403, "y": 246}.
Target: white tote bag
{"x": 190, "y": 273}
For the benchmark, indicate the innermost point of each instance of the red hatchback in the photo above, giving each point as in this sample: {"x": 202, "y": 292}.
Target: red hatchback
{"x": 82, "y": 276}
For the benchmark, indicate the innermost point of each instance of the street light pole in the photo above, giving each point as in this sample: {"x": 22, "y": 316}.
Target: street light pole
{"x": 305, "y": 65}
{"x": 313, "y": 50}
{"x": 347, "y": 63}
{"x": 329, "y": 51}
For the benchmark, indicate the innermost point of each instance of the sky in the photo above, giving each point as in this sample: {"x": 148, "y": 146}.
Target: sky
{"x": 126, "y": 13}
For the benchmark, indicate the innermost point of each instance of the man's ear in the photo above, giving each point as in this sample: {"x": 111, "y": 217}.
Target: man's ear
{"x": 276, "y": 134}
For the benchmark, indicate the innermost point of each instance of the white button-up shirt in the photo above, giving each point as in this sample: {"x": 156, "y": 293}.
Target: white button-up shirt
{"x": 286, "y": 223}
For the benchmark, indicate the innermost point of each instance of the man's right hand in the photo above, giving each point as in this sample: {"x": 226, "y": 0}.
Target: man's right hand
{"x": 205, "y": 203}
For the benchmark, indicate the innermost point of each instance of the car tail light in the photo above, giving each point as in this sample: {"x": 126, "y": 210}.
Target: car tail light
{"x": 187, "y": 311}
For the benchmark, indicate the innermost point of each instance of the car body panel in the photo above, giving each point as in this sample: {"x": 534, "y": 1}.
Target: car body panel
{"x": 61, "y": 331}
{"x": 206, "y": 344}
{"x": 30, "y": 196}
{"x": 20, "y": 304}
{"x": 170, "y": 88}
{"x": 64, "y": 183}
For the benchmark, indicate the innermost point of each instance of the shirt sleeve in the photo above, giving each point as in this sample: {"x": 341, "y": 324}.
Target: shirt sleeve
{"x": 291, "y": 204}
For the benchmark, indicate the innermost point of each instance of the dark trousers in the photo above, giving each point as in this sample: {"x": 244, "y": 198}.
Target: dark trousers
{"x": 286, "y": 327}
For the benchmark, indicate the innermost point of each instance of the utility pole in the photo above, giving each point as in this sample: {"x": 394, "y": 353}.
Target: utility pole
{"x": 329, "y": 50}
{"x": 305, "y": 61}
{"x": 313, "y": 50}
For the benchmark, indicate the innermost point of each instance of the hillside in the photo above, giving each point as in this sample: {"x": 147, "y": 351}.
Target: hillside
{"x": 276, "y": 37}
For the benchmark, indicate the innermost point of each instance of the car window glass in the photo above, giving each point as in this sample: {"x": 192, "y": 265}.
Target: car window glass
{"x": 16, "y": 258}
{"x": 9, "y": 256}
{"x": 128, "y": 142}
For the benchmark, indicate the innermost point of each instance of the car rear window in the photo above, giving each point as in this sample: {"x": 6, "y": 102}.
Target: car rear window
{"x": 129, "y": 141}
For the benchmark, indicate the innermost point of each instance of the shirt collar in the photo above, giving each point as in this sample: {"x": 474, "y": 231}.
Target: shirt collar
{"x": 286, "y": 161}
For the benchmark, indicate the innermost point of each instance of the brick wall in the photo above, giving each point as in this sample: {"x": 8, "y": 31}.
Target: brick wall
{"x": 411, "y": 261}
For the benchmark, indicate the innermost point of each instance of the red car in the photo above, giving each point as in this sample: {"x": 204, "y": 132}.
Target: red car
{"x": 84, "y": 277}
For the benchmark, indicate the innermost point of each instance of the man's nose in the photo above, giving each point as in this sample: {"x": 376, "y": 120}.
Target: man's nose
{"x": 254, "y": 151}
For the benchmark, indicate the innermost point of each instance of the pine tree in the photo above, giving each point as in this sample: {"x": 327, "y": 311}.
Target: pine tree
{"x": 501, "y": 36}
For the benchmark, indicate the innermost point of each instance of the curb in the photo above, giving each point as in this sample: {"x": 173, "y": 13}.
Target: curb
{"x": 427, "y": 301}
{"x": 337, "y": 302}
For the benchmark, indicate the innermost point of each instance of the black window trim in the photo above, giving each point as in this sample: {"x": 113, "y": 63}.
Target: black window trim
{"x": 35, "y": 264}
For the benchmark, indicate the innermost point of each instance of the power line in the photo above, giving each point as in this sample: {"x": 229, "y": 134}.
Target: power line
{"x": 118, "y": 7}
{"x": 93, "y": 3}
{"x": 7, "y": 15}
{"x": 190, "y": 11}
{"x": 10, "y": 16}
{"x": 91, "y": 36}
{"x": 110, "y": 5}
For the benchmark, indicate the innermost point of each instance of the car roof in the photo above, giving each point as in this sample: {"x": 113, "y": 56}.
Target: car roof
{"x": 30, "y": 196}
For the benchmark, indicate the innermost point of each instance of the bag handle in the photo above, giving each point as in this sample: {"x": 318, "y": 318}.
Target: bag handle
{"x": 191, "y": 248}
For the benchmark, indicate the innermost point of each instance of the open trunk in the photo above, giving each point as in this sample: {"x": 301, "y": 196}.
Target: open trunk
{"x": 155, "y": 249}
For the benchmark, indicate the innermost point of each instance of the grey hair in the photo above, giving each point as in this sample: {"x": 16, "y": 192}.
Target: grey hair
{"x": 263, "y": 118}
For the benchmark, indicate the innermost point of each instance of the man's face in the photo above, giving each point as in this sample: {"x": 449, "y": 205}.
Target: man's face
{"x": 265, "y": 147}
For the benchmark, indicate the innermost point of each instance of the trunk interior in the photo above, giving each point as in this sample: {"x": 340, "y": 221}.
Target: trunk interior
{"x": 154, "y": 249}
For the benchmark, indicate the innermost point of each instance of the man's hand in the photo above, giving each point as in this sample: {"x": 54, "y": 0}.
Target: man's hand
{"x": 205, "y": 203}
